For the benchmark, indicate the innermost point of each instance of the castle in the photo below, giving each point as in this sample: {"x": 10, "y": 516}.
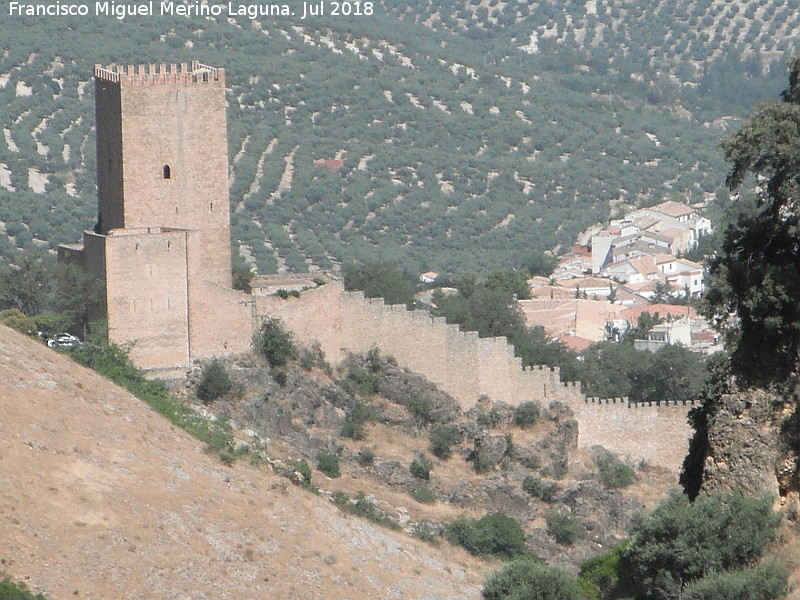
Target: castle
{"x": 161, "y": 244}
{"x": 161, "y": 247}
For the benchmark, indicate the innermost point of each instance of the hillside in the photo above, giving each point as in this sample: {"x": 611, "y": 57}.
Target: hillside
{"x": 460, "y": 149}
{"x": 102, "y": 498}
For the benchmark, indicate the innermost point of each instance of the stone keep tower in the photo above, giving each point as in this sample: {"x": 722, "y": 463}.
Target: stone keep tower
{"x": 162, "y": 239}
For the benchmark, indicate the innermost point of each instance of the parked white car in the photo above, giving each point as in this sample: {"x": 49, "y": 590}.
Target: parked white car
{"x": 64, "y": 340}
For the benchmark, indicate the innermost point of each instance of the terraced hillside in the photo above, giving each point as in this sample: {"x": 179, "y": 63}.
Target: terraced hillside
{"x": 352, "y": 139}
{"x": 681, "y": 36}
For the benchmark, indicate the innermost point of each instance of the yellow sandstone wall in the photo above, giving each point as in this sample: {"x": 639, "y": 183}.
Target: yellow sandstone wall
{"x": 459, "y": 362}
{"x": 146, "y": 291}
{"x": 467, "y": 367}
{"x": 657, "y": 434}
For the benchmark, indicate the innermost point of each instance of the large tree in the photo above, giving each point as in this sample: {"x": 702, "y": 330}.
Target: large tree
{"x": 755, "y": 290}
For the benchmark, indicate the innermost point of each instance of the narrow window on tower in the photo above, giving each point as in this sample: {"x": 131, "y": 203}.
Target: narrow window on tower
{"x": 167, "y": 172}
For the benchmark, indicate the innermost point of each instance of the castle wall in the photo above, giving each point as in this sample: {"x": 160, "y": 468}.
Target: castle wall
{"x": 220, "y": 320}
{"x": 466, "y": 367}
{"x": 314, "y": 317}
{"x": 146, "y": 289}
{"x": 657, "y": 434}
{"x": 156, "y": 304}
{"x": 459, "y": 362}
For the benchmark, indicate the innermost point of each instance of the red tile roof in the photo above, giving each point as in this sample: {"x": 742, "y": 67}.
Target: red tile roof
{"x": 673, "y": 209}
{"x": 632, "y": 314}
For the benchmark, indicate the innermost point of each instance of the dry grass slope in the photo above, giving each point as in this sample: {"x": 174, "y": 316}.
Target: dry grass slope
{"x": 102, "y": 498}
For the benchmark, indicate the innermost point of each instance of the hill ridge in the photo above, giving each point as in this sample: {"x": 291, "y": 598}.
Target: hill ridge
{"x": 85, "y": 470}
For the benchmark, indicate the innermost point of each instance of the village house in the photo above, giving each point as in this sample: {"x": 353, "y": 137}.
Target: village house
{"x": 669, "y": 227}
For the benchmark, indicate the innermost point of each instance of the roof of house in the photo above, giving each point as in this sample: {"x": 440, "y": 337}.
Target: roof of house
{"x": 552, "y": 292}
{"x": 652, "y": 235}
{"x": 691, "y": 264}
{"x": 632, "y": 314}
{"x": 629, "y": 297}
{"x": 644, "y": 265}
{"x": 556, "y": 316}
{"x": 662, "y": 258}
{"x": 673, "y": 209}
{"x": 573, "y": 342}
{"x": 585, "y": 283}
{"x": 675, "y": 232}
{"x": 704, "y": 336}
{"x": 644, "y": 286}
{"x": 645, "y": 222}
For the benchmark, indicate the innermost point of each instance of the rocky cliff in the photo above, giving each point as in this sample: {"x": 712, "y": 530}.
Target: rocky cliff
{"x": 750, "y": 440}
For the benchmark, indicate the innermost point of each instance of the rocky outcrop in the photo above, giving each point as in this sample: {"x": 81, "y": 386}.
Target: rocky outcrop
{"x": 753, "y": 438}
{"x": 307, "y": 414}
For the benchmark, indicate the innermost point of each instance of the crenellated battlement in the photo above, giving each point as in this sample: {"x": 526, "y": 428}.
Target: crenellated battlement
{"x": 626, "y": 402}
{"x": 468, "y": 367}
{"x": 162, "y": 74}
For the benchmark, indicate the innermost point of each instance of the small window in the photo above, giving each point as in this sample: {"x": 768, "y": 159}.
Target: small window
{"x": 167, "y": 172}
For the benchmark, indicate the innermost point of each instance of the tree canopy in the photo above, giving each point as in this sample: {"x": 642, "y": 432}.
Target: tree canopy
{"x": 379, "y": 280}
{"x": 682, "y": 545}
{"x": 756, "y": 280}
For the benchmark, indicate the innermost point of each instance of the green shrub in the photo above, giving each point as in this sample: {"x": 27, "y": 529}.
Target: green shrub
{"x": 600, "y": 575}
{"x": 539, "y": 489}
{"x": 421, "y": 410}
{"x": 366, "y": 457}
{"x": 527, "y": 414}
{"x": 442, "y": 439}
{"x": 490, "y": 419}
{"x": 421, "y": 468}
{"x": 360, "y": 382}
{"x": 314, "y": 357}
{"x": 275, "y": 343}
{"x": 280, "y": 374}
{"x": 762, "y": 582}
{"x": 329, "y": 464}
{"x": 19, "y": 321}
{"x": 11, "y": 591}
{"x": 682, "y": 542}
{"x": 492, "y": 535}
{"x": 530, "y": 579}
{"x": 215, "y": 382}
{"x": 361, "y": 506}
{"x": 423, "y": 494}
{"x": 563, "y": 527}
{"x": 374, "y": 361}
{"x": 304, "y": 469}
{"x": 355, "y": 419}
{"x": 614, "y": 473}
{"x": 481, "y": 461}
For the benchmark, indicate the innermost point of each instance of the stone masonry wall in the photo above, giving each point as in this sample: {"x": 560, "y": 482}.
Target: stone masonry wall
{"x": 657, "y": 434}
{"x": 462, "y": 364}
{"x": 466, "y": 367}
{"x": 146, "y": 295}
